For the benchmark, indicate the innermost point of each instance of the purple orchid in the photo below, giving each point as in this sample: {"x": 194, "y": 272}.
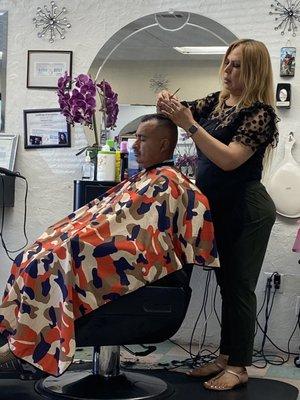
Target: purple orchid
{"x": 188, "y": 161}
{"x": 79, "y": 104}
{"x": 110, "y": 103}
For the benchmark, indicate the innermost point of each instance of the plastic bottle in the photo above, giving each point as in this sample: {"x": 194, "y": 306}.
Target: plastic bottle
{"x": 106, "y": 164}
{"x": 118, "y": 166}
{"x": 87, "y": 169}
{"x": 124, "y": 160}
{"x": 111, "y": 143}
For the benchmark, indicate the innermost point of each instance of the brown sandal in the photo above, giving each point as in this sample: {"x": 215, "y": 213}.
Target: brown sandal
{"x": 209, "y": 369}
{"x": 242, "y": 379}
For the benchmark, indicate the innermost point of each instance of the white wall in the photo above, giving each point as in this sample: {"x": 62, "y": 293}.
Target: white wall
{"x": 131, "y": 79}
{"x": 50, "y": 172}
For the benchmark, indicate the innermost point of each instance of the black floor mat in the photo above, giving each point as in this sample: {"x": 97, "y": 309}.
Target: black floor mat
{"x": 184, "y": 388}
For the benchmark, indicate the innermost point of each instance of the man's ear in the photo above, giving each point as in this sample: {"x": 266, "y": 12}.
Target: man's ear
{"x": 165, "y": 145}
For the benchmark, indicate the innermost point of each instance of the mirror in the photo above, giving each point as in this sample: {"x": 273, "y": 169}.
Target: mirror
{"x": 139, "y": 60}
{"x": 3, "y": 48}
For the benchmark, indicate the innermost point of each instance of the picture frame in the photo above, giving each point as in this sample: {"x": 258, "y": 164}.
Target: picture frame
{"x": 45, "y": 67}
{"x": 287, "y": 61}
{"x": 44, "y": 128}
{"x": 8, "y": 150}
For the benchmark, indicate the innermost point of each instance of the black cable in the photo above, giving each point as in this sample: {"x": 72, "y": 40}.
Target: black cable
{"x": 260, "y": 355}
{"x": 289, "y": 340}
{"x": 196, "y": 358}
{"x": 206, "y": 355}
{"x": 211, "y": 353}
{"x": 205, "y": 295}
{"x": 8, "y": 251}
{"x": 215, "y": 295}
{"x": 260, "y": 310}
{"x": 205, "y": 314}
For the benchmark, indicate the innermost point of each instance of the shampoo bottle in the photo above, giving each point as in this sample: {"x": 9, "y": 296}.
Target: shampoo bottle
{"x": 106, "y": 164}
{"x": 87, "y": 169}
{"x": 124, "y": 160}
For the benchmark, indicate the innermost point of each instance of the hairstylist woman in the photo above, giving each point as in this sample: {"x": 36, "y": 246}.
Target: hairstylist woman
{"x": 233, "y": 131}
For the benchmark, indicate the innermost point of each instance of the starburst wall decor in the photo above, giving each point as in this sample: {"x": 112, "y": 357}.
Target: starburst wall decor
{"x": 158, "y": 82}
{"x": 286, "y": 16}
{"x": 51, "y": 21}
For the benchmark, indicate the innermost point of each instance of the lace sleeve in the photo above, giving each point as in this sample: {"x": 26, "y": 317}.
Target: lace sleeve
{"x": 257, "y": 127}
{"x": 202, "y": 107}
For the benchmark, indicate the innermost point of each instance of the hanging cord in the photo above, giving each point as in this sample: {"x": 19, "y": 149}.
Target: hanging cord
{"x": 260, "y": 355}
{"x": 8, "y": 251}
{"x": 203, "y": 355}
{"x": 202, "y": 309}
{"x": 206, "y": 355}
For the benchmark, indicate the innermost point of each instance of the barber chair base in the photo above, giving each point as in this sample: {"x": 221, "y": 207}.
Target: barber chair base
{"x": 85, "y": 385}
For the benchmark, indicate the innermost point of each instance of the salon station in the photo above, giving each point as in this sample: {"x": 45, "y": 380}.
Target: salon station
{"x": 78, "y": 81}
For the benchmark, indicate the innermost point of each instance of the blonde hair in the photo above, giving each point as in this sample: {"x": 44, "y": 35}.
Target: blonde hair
{"x": 255, "y": 73}
{"x": 257, "y": 76}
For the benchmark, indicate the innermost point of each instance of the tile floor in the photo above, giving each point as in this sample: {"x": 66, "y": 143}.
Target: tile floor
{"x": 167, "y": 352}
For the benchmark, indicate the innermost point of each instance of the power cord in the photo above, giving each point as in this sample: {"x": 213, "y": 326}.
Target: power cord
{"x": 260, "y": 355}
{"x": 205, "y": 355}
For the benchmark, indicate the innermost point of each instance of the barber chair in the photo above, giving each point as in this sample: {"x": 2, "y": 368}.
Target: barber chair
{"x": 149, "y": 315}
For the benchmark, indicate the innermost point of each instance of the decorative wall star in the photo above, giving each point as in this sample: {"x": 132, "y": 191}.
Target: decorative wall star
{"x": 158, "y": 82}
{"x": 51, "y": 21}
{"x": 286, "y": 16}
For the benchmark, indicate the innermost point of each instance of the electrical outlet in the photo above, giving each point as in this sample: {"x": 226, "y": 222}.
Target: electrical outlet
{"x": 281, "y": 287}
{"x": 297, "y": 308}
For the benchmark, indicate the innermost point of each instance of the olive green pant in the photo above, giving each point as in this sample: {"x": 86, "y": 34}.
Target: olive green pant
{"x": 242, "y": 232}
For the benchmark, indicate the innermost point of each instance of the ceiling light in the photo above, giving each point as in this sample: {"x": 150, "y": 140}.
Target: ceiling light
{"x": 202, "y": 49}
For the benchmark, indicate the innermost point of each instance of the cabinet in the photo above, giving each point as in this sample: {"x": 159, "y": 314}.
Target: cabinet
{"x": 85, "y": 191}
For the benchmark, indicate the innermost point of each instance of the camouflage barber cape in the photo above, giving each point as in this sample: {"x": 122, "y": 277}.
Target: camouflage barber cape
{"x": 145, "y": 228}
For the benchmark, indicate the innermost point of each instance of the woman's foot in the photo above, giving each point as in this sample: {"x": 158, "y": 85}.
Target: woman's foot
{"x": 212, "y": 368}
{"x": 228, "y": 379}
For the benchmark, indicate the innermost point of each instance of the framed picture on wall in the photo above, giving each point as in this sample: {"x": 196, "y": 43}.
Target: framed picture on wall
{"x": 8, "y": 150}
{"x": 44, "y": 67}
{"x": 287, "y": 61}
{"x": 46, "y": 128}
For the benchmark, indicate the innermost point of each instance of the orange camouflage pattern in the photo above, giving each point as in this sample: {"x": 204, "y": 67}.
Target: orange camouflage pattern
{"x": 145, "y": 228}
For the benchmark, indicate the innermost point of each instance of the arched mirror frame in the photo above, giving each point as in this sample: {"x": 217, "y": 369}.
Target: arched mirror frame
{"x": 221, "y": 33}
{"x": 3, "y": 50}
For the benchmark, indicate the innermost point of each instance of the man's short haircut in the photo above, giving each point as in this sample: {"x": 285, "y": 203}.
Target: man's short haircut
{"x": 162, "y": 122}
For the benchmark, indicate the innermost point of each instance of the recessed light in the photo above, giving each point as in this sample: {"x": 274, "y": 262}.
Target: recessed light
{"x": 202, "y": 49}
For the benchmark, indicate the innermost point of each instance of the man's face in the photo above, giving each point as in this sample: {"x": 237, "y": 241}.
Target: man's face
{"x": 147, "y": 146}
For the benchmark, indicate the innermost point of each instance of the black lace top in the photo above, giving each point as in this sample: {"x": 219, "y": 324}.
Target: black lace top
{"x": 253, "y": 126}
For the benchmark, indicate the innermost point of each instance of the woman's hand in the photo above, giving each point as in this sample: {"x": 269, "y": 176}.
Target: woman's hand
{"x": 162, "y": 96}
{"x": 178, "y": 113}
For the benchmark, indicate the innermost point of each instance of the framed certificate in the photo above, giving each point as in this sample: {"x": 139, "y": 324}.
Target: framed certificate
{"x": 45, "y": 67}
{"x": 46, "y": 128}
{"x": 8, "y": 150}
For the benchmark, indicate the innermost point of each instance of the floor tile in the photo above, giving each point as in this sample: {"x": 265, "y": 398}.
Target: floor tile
{"x": 283, "y": 371}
